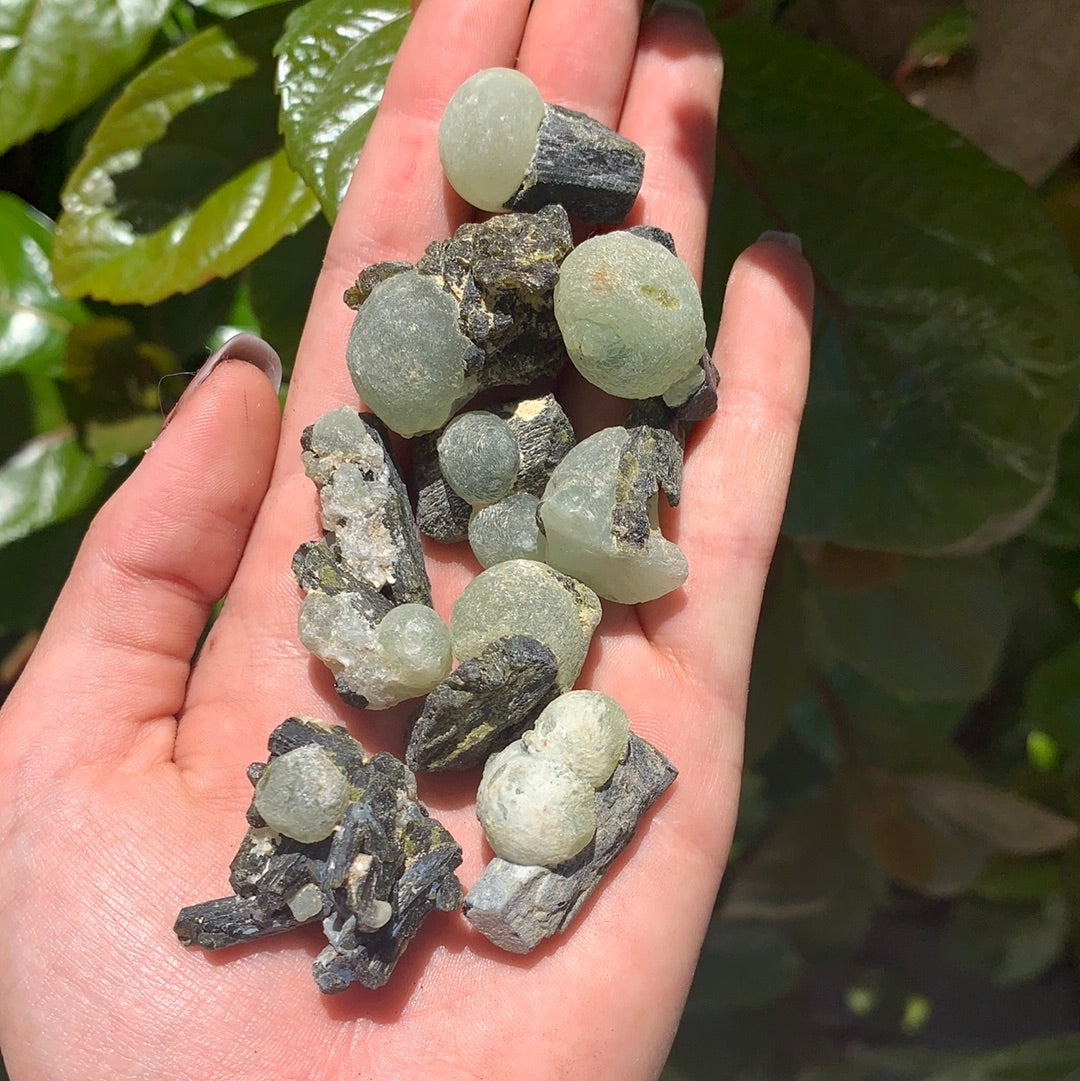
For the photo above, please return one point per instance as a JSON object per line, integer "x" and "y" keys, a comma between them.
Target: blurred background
{"x": 903, "y": 902}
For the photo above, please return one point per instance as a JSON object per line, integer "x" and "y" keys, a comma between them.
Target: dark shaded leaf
{"x": 940, "y": 38}
{"x": 182, "y": 181}
{"x": 745, "y": 964}
{"x": 1001, "y": 818}
{"x": 1052, "y": 699}
{"x": 332, "y": 64}
{"x": 935, "y": 857}
{"x": 280, "y": 285}
{"x": 933, "y": 633}
{"x": 51, "y": 478}
{"x": 945, "y": 365}
{"x": 1054, "y": 1058}
{"x": 1010, "y": 943}
{"x": 57, "y": 56}
{"x": 34, "y": 318}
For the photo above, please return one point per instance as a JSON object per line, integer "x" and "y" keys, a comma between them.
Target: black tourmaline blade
{"x": 386, "y": 865}
{"x": 483, "y": 704}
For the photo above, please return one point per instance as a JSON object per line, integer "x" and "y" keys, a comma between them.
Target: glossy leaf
{"x": 50, "y": 479}
{"x": 57, "y": 56}
{"x": 945, "y": 364}
{"x": 934, "y": 633}
{"x": 332, "y": 64}
{"x": 183, "y": 179}
{"x": 746, "y": 965}
{"x": 1008, "y": 822}
{"x": 34, "y": 318}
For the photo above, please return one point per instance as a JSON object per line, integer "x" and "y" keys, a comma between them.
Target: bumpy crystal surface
{"x": 521, "y": 596}
{"x": 577, "y": 511}
{"x": 534, "y": 809}
{"x": 415, "y": 644}
{"x": 302, "y": 794}
{"x": 407, "y": 355}
{"x": 585, "y": 729}
{"x": 479, "y": 457}
{"x": 381, "y": 666}
{"x": 487, "y": 135}
{"x": 506, "y": 530}
{"x": 630, "y": 315}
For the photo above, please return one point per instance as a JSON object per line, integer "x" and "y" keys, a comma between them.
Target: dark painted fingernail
{"x": 789, "y": 240}
{"x": 681, "y": 7}
{"x": 246, "y": 347}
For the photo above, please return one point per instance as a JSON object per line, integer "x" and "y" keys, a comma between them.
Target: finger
{"x": 580, "y": 55}
{"x": 156, "y": 557}
{"x": 670, "y": 111}
{"x": 738, "y": 466}
{"x": 396, "y": 204}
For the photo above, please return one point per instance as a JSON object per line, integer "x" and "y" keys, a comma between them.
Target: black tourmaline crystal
{"x": 384, "y": 867}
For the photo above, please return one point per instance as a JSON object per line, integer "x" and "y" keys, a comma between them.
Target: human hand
{"x": 122, "y": 766}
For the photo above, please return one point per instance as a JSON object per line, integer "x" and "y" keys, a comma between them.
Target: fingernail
{"x": 789, "y": 240}
{"x": 681, "y": 7}
{"x": 246, "y": 347}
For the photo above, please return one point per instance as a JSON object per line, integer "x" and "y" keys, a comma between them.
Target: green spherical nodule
{"x": 487, "y": 136}
{"x": 630, "y": 315}
{"x": 479, "y": 457}
{"x": 415, "y": 645}
{"x": 302, "y": 794}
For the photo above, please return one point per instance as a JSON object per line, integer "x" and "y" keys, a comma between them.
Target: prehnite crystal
{"x": 407, "y": 355}
{"x": 521, "y": 596}
{"x": 534, "y": 808}
{"x": 506, "y": 530}
{"x": 586, "y": 729}
{"x": 302, "y": 794}
{"x": 599, "y": 514}
{"x": 630, "y": 316}
{"x": 479, "y": 457}
{"x": 487, "y": 136}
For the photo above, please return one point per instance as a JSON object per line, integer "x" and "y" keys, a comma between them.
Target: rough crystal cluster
{"x": 367, "y": 614}
{"x": 503, "y": 148}
{"x": 338, "y": 836}
{"x": 475, "y": 312}
{"x": 335, "y": 836}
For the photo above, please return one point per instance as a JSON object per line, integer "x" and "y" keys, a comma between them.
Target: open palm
{"x": 122, "y": 764}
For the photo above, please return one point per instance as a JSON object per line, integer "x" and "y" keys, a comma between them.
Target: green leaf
{"x": 1010, "y": 943}
{"x": 945, "y": 364}
{"x": 933, "y": 633}
{"x": 745, "y": 964}
{"x": 1053, "y": 1058}
{"x": 332, "y": 65}
{"x": 183, "y": 180}
{"x": 1058, "y": 526}
{"x": 34, "y": 318}
{"x": 1008, "y": 822}
{"x": 281, "y": 283}
{"x": 1052, "y": 698}
{"x": 57, "y": 56}
{"x": 940, "y": 38}
{"x": 50, "y": 479}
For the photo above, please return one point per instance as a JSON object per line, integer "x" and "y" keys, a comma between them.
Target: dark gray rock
{"x": 517, "y": 907}
{"x": 483, "y": 704}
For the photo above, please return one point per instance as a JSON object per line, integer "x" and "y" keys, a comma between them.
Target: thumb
{"x": 111, "y": 668}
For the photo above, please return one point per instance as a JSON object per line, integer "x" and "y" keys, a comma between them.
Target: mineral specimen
{"x": 503, "y": 148}
{"x": 302, "y": 794}
{"x": 599, "y": 514}
{"x": 476, "y": 312}
{"x": 479, "y": 457}
{"x": 482, "y": 705}
{"x": 543, "y": 435}
{"x": 372, "y": 879}
{"x": 521, "y": 596}
{"x": 586, "y": 729}
{"x": 535, "y": 809}
{"x": 366, "y": 515}
{"x": 630, "y": 316}
{"x": 535, "y": 801}
{"x": 517, "y": 906}
{"x": 506, "y": 530}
